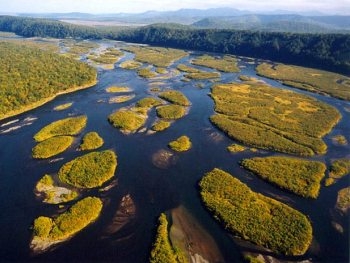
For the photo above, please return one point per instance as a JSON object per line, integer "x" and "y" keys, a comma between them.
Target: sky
{"x": 138, "y": 6}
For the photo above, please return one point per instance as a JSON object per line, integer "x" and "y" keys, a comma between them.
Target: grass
{"x": 181, "y": 144}
{"x": 302, "y": 177}
{"x": 171, "y": 112}
{"x": 91, "y": 141}
{"x": 51, "y": 147}
{"x": 225, "y": 64}
{"x": 338, "y": 169}
{"x": 313, "y": 80}
{"x": 149, "y": 102}
{"x": 130, "y": 64}
{"x": 126, "y": 120}
{"x": 161, "y": 125}
{"x": 68, "y": 126}
{"x": 69, "y": 223}
{"x": 275, "y": 119}
{"x": 235, "y": 148}
{"x": 255, "y": 217}
{"x": 175, "y": 97}
{"x": 117, "y": 89}
{"x": 90, "y": 170}
{"x": 63, "y": 106}
{"x": 146, "y": 73}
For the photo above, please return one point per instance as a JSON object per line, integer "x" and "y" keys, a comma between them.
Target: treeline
{"x": 325, "y": 51}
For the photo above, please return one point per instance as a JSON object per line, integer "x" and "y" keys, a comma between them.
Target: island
{"x": 52, "y": 146}
{"x": 181, "y": 144}
{"x": 91, "y": 141}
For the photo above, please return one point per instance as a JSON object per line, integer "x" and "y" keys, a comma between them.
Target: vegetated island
{"x": 225, "y": 64}
{"x": 130, "y": 64}
{"x": 117, "y": 89}
{"x": 91, "y": 141}
{"x": 302, "y": 177}
{"x": 39, "y": 76}
{"x": 255, "y": 217}
{"x": 51, "y": 147}
{"x": 271, "y": 118}
{"x": 127, "y": 121}
{"x": 194, "y": 73}
{"x": 175, "y": 97}
{"x": 90, "y": 170}
{"x": 313, "y": 80}
{"x": 63, "y": 106}
{"x": 181, "y": 144}
{"x": 235, "y": 148}
{"x": 343, "y": 200}
{"x": 48, "y": 232}
{"x": 338, "y": 169}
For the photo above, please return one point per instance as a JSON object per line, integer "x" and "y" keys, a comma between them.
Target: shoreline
{"x": 46, "y": 100}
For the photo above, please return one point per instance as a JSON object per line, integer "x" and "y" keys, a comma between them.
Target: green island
{"x": 340, "y": 139}
{"x": 171, "y": 112}
{"x": 225, "y": 64}
{"x": 121, "y": 98}
{"x": 157, "y": 56}
{"x": 48, "y": 232}
{"x": 175, "y": 97}
{"x": 51, "y": 147}
{"x": 271, "y": 118}
{"x": 130, "y": 64}
{"x": 90, "y": 170}
{"x": 161, "y": 70}
{"x": 91, "y": 141}
{"x": 54, "y": 194}
{"x": 302, "y": 177}
{"x": 127, "y": 121}
{"x": 149, "y": 102}
{"x": 194, "y": 73}
{"x": 235, "y": 148}
{"x": 67, "y": 126}
{"x": 313, "y": 80}
{"x": 181, "y": 144}
{"x": 343, "y": 200}
{"x": 38, "y": 75}
{"x": 63, "y": 106}
{"x": 117, "y": 89}
{"x": 255, "y": 217}
{"x": 187, "y": 69}
{"x": 161, "y": 125}
{"x": 110, "y": 56}
{"x": 146, "y": 73}
{"x": 338, "y": 169}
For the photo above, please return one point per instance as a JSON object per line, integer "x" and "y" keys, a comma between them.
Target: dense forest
{"x": 325, "y": 51}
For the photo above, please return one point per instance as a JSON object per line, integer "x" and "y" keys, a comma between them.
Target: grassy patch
{"x": 340, "y": 139}
{"x": 176, "y": 97}
{"x": 121, "y": 99}
{"x": 130, "y": 64}
{"x": 343, "y": 200}
{"x": 203, "y": 75}
{"x": 235, "y": 148}
{"x": 126, "y": 120}
{"x": 149, "y": 102}
{"x": 184, "y": 68}
{"x": 338, "y": 169}
{"x": 225, "y": 64}
{"x": 161, "y": 70}
{"x": 117, "y": 89}
{"x": 91, "y": 141}
{"x": 171, "y": 112}
{"x": 255, "y": 217}
{"x": 161, "y": 125}
{"x": 313, "y": 80}
{"x": 146, "y": 73}
{"x": 51, "y": 147}
{"x": 63, "y": 106}
{"x": 90, "y": 170}
{"x": 299, "y": 176}
{"x": 271, "y": 118}
{"x": 181, "y": 144}
{"x": 68, "y": 126}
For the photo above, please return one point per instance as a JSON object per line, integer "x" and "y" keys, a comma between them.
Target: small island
{"x": 118, "y": 89}
{"x": 171, "y": 112}
{"x": 338, "y": 169}
{"x": 175, "y": 97}
{"x": 63, "y": 106}
{"x": 161, "y": 125}
{"x": 51, "y": 147}
{"x": 181, "y": 144}
{"x": 225, "y": 64}
{"x": 91, "y": 141}
{"x": 127, "y": 121}
{"x": 236, "y": 148}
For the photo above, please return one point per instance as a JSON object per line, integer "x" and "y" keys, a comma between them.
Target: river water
{"x": 153, "y": 189}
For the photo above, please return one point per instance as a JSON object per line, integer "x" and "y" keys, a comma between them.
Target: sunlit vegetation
{"x": 91, "y": 141}
{"x": 225, "y": 64}
{"x": 161, "y": 70}
{"x": 121, "y": 99}
{"x": 146, "y": 73}
{"x": 157, "y": 56}
{"x": 68, "y": 126}
{"x": 171, "y": 112}
{"x": 181, "y": 144}
{"x": 37, "y": 76}
{"x": 161, "y": 125}
{"x": 117, "y": 89}
{"x": 343, "y": 200}
{"x": 79, "y": 47}
{"x": 127, "y": 120}
{"x": 313, "y": 80}
{"x": 110, "y": 56}
{"x": 63, "y": 106}
{"x": 175, "y": 97}
{"x": 52, "y": 146}
{"x": 90, "y": 170}
{"x": 253, "y": 216}
{"x": 235, "y": 148}
{"x": 185, "y": 68}
{"x": 246, "y": 78}
{"x": 270, "y": 118}
{"x": 203, "y": 75}
{"x": 340, "y": 139}
{"x": 54, "y": 194}
{"x": 162, "y": 251}
{"x": 338, "y": 169}
{"x": 80, "y": 215}
{"x": 302, "y": 177}
{"x": 130, "y": 64}
{"x": 149, "y": 102}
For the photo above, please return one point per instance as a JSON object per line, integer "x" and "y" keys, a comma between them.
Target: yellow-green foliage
{"x": 171, "y": 112}
{"x": 162, "y": 251}
{"x": 91, "y": 141}
{"x": 36, "y": 76}
{"x": 161, "y": 125}
{"x": 343, "y": 200}
{"x": 116, "y": 89}
{"x": 203, "y": 75}
{"x": 181, "y": 144}
{"x": 127, "y": 120}
{"x": 46, "y": 180}
{"x": 255, "y": 217}
{"x": 111, "y": 56}
{"x": 121, "y": 99}
{"x": 130, "y": 64}
{"x": 161, "y": 70}
{"x": 72, "y": 221}
{"x": 302, "y": 177}
{"x": 52, "y": 146}
{"x": 313, "y": 80}
{"x": 68, "y": 126}
{"x": 176, "y": 97}
{"x": 146, "y": 73}
{"x": 159, "y": 57}
{"x": 271, "y": 118}
{"x": 225, "y": 64}
{"x": 235, "y": 148}
{"x": 340, "y": 139}
{"x": 338, "y": 169}
{"x": 63, "y": 106}
{"x": 184, "y": 68}
{"x": 148, "y": 102}
{"x": 90, "y": 170}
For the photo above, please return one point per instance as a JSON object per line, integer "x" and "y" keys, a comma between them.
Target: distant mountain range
{"x": 218, "y": 18}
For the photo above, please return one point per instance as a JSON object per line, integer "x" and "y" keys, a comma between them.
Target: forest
{"x": 325, "y": 51}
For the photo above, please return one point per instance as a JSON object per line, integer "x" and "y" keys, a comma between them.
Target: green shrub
{"x": 181, "y": 144}
{"x": 175, "y": 97}
{"x": 91, "y": 141}
{"x": 51, "y": 147}
{"x": 171, "y": 112}
{"x": 127, "y": 120}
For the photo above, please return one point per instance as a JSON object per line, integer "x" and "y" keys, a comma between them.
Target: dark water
{"x": 153, "y": 190}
